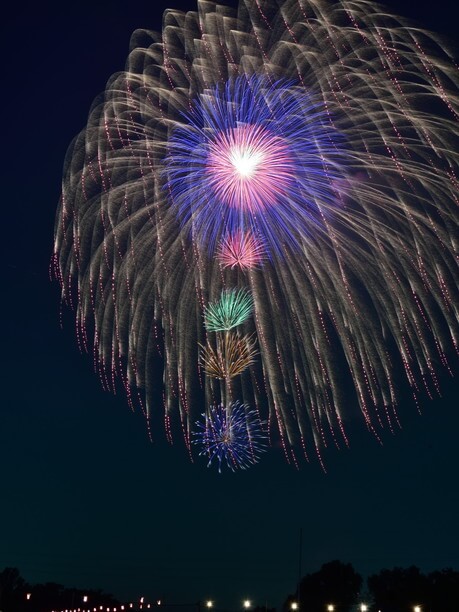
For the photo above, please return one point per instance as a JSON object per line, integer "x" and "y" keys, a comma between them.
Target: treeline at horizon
{"x": 336, "y": 587}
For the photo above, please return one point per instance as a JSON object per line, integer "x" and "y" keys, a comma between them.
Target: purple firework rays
{"x": 254, "y": 155}
{"x": 231, "y": 436}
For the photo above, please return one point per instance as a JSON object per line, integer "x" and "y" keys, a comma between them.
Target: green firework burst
{"x": 233, "y": 308}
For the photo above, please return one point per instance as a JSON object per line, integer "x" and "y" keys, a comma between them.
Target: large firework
{"x": 267, "y": 198}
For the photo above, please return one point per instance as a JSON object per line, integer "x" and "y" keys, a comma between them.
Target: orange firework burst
{"x": 231, "y": 357}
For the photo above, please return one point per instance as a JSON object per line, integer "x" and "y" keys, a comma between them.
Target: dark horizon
{"x": 335, "y": 586}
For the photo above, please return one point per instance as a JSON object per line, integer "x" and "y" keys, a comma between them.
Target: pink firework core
{"x": 242, "y": 250}
{"x": 249, "y": 168}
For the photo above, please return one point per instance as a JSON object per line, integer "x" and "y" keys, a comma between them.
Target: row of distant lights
{"x": 363, "y": 608}
{"x": 209, "y": 604}
{"x": 102, "y": 608}
{"x": 122, "y": 607}
{"x": 245, "y": 604}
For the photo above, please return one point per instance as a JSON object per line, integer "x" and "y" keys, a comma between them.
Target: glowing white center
{"x": 249, "y": 168}
{"x": 245, "y": 161}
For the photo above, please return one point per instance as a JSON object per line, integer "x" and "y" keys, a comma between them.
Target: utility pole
{"x": 300, "y": 559}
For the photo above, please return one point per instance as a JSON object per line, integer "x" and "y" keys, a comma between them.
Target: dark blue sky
{"x": 86, "y": 499}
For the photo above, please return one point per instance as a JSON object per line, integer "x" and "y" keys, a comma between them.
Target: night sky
{"x": 86, "y": 499}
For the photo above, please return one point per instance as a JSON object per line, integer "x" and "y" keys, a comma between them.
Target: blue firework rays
{"x": 231, "y": 436}
{"x": 254, "y": 155}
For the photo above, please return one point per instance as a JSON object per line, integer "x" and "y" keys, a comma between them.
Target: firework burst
{"x": 305, "y": 154}
{"x": 232, "y": 356}
{"x": 241, "y": 250}
{"x": 254, "y": 155}
{"x": 231, "y": 436}
{"x": 231, "y": 310}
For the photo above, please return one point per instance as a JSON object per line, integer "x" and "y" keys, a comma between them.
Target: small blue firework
{"x": 231, "y": 434}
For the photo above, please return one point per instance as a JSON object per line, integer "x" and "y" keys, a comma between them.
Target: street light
{"x": 417, "y": 608}
{"x": 247, "y": 603}
{"x": 209, "y": 603}
{"x": 330, "y": 607}
{"x": 363, "y": 608}
{"x": 294, "y": 605}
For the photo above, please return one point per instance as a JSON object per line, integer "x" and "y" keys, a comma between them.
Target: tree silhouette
{"x": 12, "y": 590}
{"x": 335, "y": 583}
{"x": 444, "y": 591}
{"x": 45, "y": 597}
{"x": 52, "y": 596}
{"x": 399, "y": 589}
